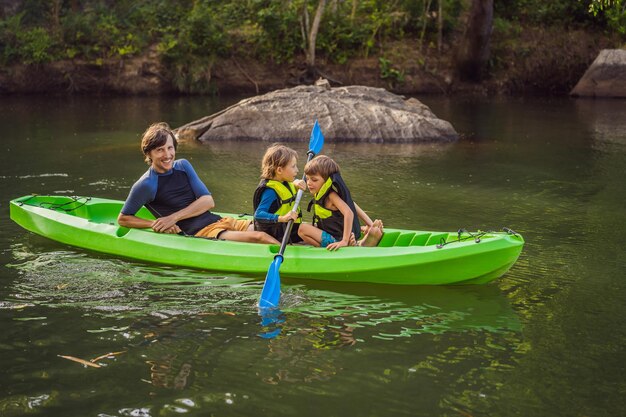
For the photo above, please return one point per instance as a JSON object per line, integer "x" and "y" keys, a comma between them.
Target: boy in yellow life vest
{"x": 335, "y": 215}
{"x": 275, "y": 195}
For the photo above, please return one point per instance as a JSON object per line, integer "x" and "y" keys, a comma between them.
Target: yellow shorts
{"x": 225, "y": 223}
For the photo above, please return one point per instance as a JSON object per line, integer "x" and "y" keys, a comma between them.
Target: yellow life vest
{"x": 331, "y": 221}
{"x": 283, "y": 204}
{"x": 287, "y": 195}
{"x": 319, "y": 211}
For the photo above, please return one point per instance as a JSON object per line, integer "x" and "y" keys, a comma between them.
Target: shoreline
{"x": 552, "y": 70}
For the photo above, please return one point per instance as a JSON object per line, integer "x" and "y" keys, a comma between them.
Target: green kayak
{"x": 405, "y": 257}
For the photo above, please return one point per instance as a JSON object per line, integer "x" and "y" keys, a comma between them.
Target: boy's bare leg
{"x": 310, "y": 234}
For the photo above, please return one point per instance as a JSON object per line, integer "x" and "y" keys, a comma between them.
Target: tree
{"x": 473, "y": 50}
{"x": 310, "y": 34}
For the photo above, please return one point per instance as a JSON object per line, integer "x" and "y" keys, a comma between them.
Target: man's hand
{"x": 173, "y": 230}
{"x": 165, "y": 225}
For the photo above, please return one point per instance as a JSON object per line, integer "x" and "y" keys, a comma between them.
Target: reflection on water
{"x": 79, "y": 280}
{"x": 602, "y": 125}
{"x": 401, "y": 312}
{"x": 67, "y": 278}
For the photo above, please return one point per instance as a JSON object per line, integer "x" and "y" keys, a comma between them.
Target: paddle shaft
{"x": 287, "y": 234}
{"x": 270, "y": 295}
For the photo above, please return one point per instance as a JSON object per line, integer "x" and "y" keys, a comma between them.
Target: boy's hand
{"x": 300, "y": 184}
{"x": 337, "y": 245}
{"x": 292, "y": 215}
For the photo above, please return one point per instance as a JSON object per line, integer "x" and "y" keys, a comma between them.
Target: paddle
{"x": 270, "y": 295}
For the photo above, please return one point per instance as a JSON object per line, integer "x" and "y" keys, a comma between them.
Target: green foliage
{"x": 191, "y": 35}
{"x": 190, "y": 52}
{"x": 26, "y": 45}
{"x": 596, "y": 6}
{"x": 614, "y": 11}
{"x": 9, "y": 49}
{"x": 504, "y": 39}
{"x": 35, "y": 46}
{"x": 35, "y": 12}
{"x": 389, "y": 73}
{"x": 341, "y": 38}
{"x": 280, "y": 37}
{"x": 565, "y": 13}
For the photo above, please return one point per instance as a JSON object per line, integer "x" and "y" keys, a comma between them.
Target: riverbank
{"x": 517, "y": 66}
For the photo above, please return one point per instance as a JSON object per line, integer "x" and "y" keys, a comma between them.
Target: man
{"x": 172, "y": 191}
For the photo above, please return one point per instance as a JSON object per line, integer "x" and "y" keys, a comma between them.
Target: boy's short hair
{"x": 276, "y": 156}
{"x": 155, "y": 136}
{"x": 321, "y": 165}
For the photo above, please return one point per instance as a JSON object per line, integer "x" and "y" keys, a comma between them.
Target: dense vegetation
{"x": 191, "y": 35}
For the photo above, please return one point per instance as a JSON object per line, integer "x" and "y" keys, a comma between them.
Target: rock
{"x": 606, "y": 77}
{"x": 323, "y": 83}
{"x": 345, "y": 114}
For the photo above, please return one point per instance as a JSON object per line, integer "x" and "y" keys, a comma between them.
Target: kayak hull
{"x": 403, "y": 257}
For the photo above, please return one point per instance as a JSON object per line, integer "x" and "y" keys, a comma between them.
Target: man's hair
{"x": 155, "y": 136}
{"x": 321, "y": 165}
{"x": 275, "y": 157}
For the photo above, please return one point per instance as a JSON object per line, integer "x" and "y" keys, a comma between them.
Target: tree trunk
{"x": 426, "y": 16}
{"x": 55, "y": 12}
{"x": 473, "y": 50}
{"x": 310, "y": 53}
{"x": 439, "y": 26}
{"x": 309, "y": 35}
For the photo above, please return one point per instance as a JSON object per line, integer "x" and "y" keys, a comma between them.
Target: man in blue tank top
{"x": 172, "y": 191}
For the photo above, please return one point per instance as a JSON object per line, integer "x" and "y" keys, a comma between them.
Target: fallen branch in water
{"x": 93, "y": 361}
{"x": 84, "y": 362}
{"x": 107, "y": 355}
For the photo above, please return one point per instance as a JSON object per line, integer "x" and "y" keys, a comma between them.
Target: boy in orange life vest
{"x": 276, "y": 193}
{"x": 335, "y": 215}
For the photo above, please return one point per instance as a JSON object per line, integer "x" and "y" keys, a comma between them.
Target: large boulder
{"x": 354, "y": 114}
{"x": 606, "y": 77}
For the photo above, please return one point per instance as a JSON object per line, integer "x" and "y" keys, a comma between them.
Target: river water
{"x": 546, "y": 339}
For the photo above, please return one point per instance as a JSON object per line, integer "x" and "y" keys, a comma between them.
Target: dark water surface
{"x": 546, "y": 339}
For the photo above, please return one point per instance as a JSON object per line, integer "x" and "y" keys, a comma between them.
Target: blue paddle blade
{"x": 317, "y": 139}
{"x": 270, "y": 335}
{"x": 270, "y": 295}
{"x": 270, "y": 320}
{"x": 271, "y": 316}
